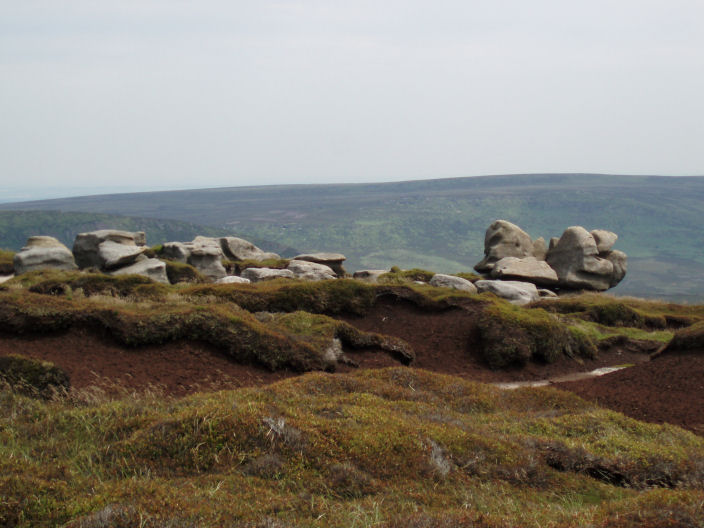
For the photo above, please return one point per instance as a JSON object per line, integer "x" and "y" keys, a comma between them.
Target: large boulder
{"x": 239, "y": 249}
{"x": 620, "y": 263}
{"x": 303, "y": 269}
{"x": 153, "y": 268}
{"x": 206, "y": 256}
{"x": 527, "y": 269}
{"x": 262, "y": 274}
{"x": 113, "y": 255}
{"x": 86, "y": 247}
{"x": 332, "y": 260}
{"x": 575, "y": 258}
{"x": 43, "y": 252}
{"x": 515, "y": 292}
{"x": 504, "y": 239}
{"x": 177, "y": 251}
{"x": 605, "y": 240}
{"x": 450, "y": 281}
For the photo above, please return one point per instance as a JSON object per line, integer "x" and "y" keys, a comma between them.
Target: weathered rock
{"x": 232, "y": 279}
{"x": 605, "y": 240}
{"x": 525, "y": 269}
{"x": 540, "y": 249}
{"x": 368, "y": 275}
{"x": 546, "y": 294}
{"x": 515, "y": 292}
{"x": 332, "y": 260}
{"x": 113, "y": 255}
{"x": 43, "y": 252}
{"x": 504, "y": 239}
{"x": 303, "y": 269}
{"x": 239, "y": 249}
{"x": 620, "y": 263}
{"x": 262, "y": 274}
{"x": 206, "y": 256}
{"x": 450, "y": 281}
{"x": 177, "y": 251}
{"x": 553, "y": 243}
{"x": 85, "y": 246}
{"x": 576, "y": 260}
{"x": 153, "y": 268}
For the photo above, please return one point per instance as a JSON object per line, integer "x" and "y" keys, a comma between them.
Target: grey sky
{"x": 174, "y": 94}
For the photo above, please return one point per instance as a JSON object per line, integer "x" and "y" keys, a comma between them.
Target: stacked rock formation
{"x": 578, "y": 260}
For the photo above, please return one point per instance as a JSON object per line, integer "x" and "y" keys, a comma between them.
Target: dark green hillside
{"x": 439, "y": 224}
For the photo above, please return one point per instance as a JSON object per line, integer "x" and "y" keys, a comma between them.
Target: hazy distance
{"x": 151, "y": 95}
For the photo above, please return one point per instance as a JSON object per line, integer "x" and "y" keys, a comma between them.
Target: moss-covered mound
{"x": 180, "y": 272}
{"x": 32, "y": 377}
{"x": 688, "y": 340}
{"x": 7, "y": 266}
{"x": 393, "y": 447}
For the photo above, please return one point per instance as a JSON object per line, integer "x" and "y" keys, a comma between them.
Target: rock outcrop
{"x": 238, "y": 249}
{"x": 579, "y": 264}
{"x": 43, "y": 252}
{"x": 332, "y": 260}
{"x": 87, "y": 247}
{"x": 205, "y": 254}
{"x": 450, "y": 281}
{"x": 525, "y": 269}
{"x": 313, "y": 271}
{"x": 153, "y": 268}
{"x": 515, "y": 292}
{"x": 504, "y": 239}
{"x": 262, "y": 274}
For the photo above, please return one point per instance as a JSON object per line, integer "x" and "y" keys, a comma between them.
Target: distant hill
{"x": 440, "y": 224}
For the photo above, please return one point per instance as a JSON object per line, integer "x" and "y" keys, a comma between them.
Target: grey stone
{"x": 525, "y": 269}
{"x": 303, "y": 269}
{"x": 605, "y": 240}
{"x": 206, "y": 256}
{"x": 262, "y": 274}
{"x": 153, "y": 268}
{"x": 85, "y": 246}
{"x": 515, "y": 292}
{"x": 332, "y": 260}
{"x": 368, "y": 275}
{"x": 43, "y": 252}
{"x": 504, "y": 239}
{"x": 546, "y": 294}
{"x": 232, "y": 279}
{"x": 553, "y": 243}
{"x": 576, "y": 260}
{"x": 620, "y": 263}
{"x": 540, "y": 249}
{"x": 450, "y": 281}
{"x": 240, "y": 249}
{"x": 113, "y": 255}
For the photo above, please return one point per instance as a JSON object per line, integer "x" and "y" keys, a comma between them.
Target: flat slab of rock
{"x": 153, "y": 268}
{"x": 575, "y": 258}
{"x": 369, "y": 275}
{"x": 504, "y": 239}
{"x": 43, "y": 252}
{"x": 515, "y": 292}
{"x": 233, "y": 279}
{"x": 332, "y": 260}
{"x": 85, "y": 246}
{"x": 450, "y": 281}
{"x": 262, "y": 274}
{"x": 527, "y": 269}
{"x": 240, "y": 249}
{"x": 113, "y": 255}
{"x": 313, "y": 271}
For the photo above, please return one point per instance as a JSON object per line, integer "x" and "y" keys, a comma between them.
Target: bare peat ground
{"x": 668, "y": 389}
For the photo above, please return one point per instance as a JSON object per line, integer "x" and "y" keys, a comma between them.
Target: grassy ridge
{"x": 383, "y": 448}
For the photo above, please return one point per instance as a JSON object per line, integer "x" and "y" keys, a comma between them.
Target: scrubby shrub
{"x": 347, "y": 481}
{"x": 400, "y": 277}
{"x": 59, "y": 283}
{"x": 7, "y": 266}
{"x": 33, "y": 377}
{"x": 181, "y": 272}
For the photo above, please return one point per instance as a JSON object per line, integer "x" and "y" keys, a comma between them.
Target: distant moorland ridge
{"x": 434, "y": 224}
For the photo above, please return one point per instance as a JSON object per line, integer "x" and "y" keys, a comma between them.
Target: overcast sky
{"x": 174, "y": 94}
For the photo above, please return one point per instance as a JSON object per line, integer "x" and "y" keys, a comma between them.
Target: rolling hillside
{"x": 439, "y": 224}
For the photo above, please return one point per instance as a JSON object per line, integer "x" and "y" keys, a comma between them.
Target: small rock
{"x": 240, "y": 249}
{"x": 576, "y": 260}
{"x": 43, "y": 252}
{"x": 177, "y": 251}
{"x": 153, "y": 268}
{"x": 525, "y": 269}
{"x": 86, "y": 245}
{"x": 232, "y": 279}
{"x": 206, "y": 257}
{"x": 450, "y": 281}
{"x": 113, "y": 255}
{"x": 605, "y": 240}
{"x": 368, "y": 275}
{"x": 515, "y": 292}
{"x": 504, "y": 239}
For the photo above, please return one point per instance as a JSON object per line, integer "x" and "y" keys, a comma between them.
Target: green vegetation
{"x": 399, "y": 276}
{"x": 7, "y": 266}
{"x": 32, "y": 377}
{"x": 688, "y": 339}
{"x": 389, "y": 448}
{"x": 181, "y": 272}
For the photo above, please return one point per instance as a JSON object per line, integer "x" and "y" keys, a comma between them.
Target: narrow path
{"x": 575, "y": 376}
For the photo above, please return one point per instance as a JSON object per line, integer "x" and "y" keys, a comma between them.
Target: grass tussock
{"x": 237, "y": 267}
{"x": 178, "y": 272}
{"x": 65, "y": 283}
{"x": 7, "y": 266}
{"x": 33, "y": 377}
{"x": 373, "y": 448}
{"x": 688, "y": 339}
{"x": 399, "y": 277}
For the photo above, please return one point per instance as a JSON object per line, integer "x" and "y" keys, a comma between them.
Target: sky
{"x": 152, "y": 94}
